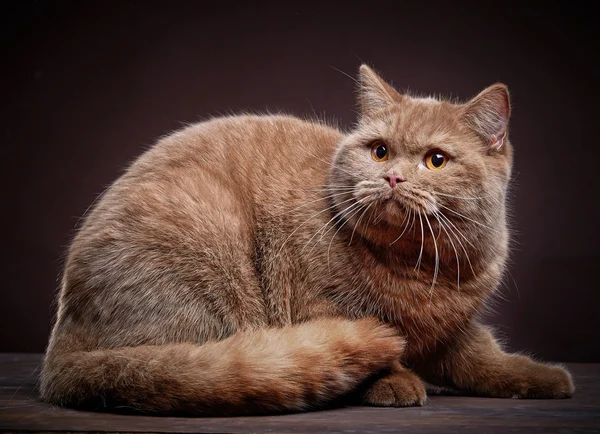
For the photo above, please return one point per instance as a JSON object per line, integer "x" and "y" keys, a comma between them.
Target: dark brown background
{"x": 87, "y": 86}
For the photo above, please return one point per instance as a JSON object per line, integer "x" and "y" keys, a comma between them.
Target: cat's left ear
{"x": 488, "y": 115}
{"x": 374, "y": 93}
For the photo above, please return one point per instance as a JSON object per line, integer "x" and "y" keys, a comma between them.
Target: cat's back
{"x": 226, "y": 161}
{"x": 247, "y": 143}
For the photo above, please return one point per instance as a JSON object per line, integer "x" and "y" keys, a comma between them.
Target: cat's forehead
{"x": 425, "y": 116}
{"x": 418, "y": 122}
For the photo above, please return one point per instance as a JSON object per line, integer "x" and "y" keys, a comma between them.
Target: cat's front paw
{"x": 398, "y": 389}
{"x": 538, "y": 380}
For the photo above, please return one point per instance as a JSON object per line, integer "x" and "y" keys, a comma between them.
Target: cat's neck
{"x": 412, "y": 251}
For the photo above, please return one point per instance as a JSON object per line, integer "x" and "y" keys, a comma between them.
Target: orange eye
{"x": 379, "y": 152}
{"x": 436, "y": 160}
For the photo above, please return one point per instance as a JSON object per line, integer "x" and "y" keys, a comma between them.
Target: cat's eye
{"x": 436, "y": 160}
{"x": 379, "y": 152}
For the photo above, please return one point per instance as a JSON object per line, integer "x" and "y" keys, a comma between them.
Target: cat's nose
{"x": 394, "y": 179}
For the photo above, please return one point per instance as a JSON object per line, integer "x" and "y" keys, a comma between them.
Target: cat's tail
{"x": 268, "y": 370}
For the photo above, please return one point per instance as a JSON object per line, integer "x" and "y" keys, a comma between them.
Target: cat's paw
{"x": 546, "y": 381}
{"x": 399, "y": 389}
{"x": 538, "y": 380}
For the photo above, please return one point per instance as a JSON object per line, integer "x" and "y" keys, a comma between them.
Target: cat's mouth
{"x": 401, "y": 204}
{"x": 408, "y": 199}
{"x": 395, "y": 205}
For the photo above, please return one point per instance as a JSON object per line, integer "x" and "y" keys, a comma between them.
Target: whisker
{"x": 462, "y": 197}
{"x": 368, "y": 221}
{"x": 371, "y": 214}
{"x": 457, "y": 229}
{"x": 358, "y": 222}
{"x": 406, "y": 216}
{"x": 413, "y": 228}
{"x": 458, "y": 240}
{"x": 437, "y": 259}
{"x": 336, "y": 187}
{"x": 340, "y": 213}
{"x": 342, "y": 216}
{"x": 333, "y": 185}
{"x": 468, "y": 218}
{"x": 344, "y": 221}
{"x": 312, "y": 201}
{"x": 304, "y": 222}
{"x": 330, "y": 189}
{"x": 453, "y": 247}
{"x": 378, "y": 218}
{"x": 422, "y": 243}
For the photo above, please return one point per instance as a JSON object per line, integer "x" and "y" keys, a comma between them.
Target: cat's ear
{"x": 488, "y": 115}
{"x": 374, "y": 93}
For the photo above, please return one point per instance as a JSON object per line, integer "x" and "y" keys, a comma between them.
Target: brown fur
{"x": 248, "y": 264}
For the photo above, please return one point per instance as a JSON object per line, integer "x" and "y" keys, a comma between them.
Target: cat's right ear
{"x": 374, "y": 93}
{"x": 488, "y": 114}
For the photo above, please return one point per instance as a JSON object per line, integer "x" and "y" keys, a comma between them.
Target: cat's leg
{"x": 399, "y": 388}
{"x": 476, "y": 364}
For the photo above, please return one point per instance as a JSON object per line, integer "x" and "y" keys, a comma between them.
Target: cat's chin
{"x": 394, "y": 213}
{"x": 391, "y": 217}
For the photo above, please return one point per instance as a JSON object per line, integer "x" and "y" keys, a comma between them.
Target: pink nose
{"x": 394, "y": 179}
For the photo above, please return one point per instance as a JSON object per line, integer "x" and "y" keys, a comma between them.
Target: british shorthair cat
{"x": 262, "y": 264}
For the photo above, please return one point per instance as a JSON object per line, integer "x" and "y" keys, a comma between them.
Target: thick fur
{"x": 253, "y": 371}
{"x": 248, "y": 265}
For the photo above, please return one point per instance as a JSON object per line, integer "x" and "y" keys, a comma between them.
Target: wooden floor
{"x": 19, "y": 411}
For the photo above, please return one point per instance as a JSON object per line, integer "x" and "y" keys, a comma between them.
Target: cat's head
{"x": 434, "y": 165}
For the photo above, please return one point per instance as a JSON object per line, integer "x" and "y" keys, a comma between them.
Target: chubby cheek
{"x": 359, "y": 165}
{"x": 461, "y": 178}
{"x": 463, "y": 190}
{"x": 345, "y": 171}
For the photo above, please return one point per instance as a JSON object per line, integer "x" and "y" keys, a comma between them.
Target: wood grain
{"x": 19, "y": 411}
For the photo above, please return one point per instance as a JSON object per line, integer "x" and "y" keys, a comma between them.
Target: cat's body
{"x": 271, "y": 237}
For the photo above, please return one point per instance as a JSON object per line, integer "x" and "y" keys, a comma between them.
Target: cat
{"x": 266, "y": 264}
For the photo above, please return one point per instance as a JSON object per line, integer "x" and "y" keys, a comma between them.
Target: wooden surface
{"x": 19, "y": 410}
